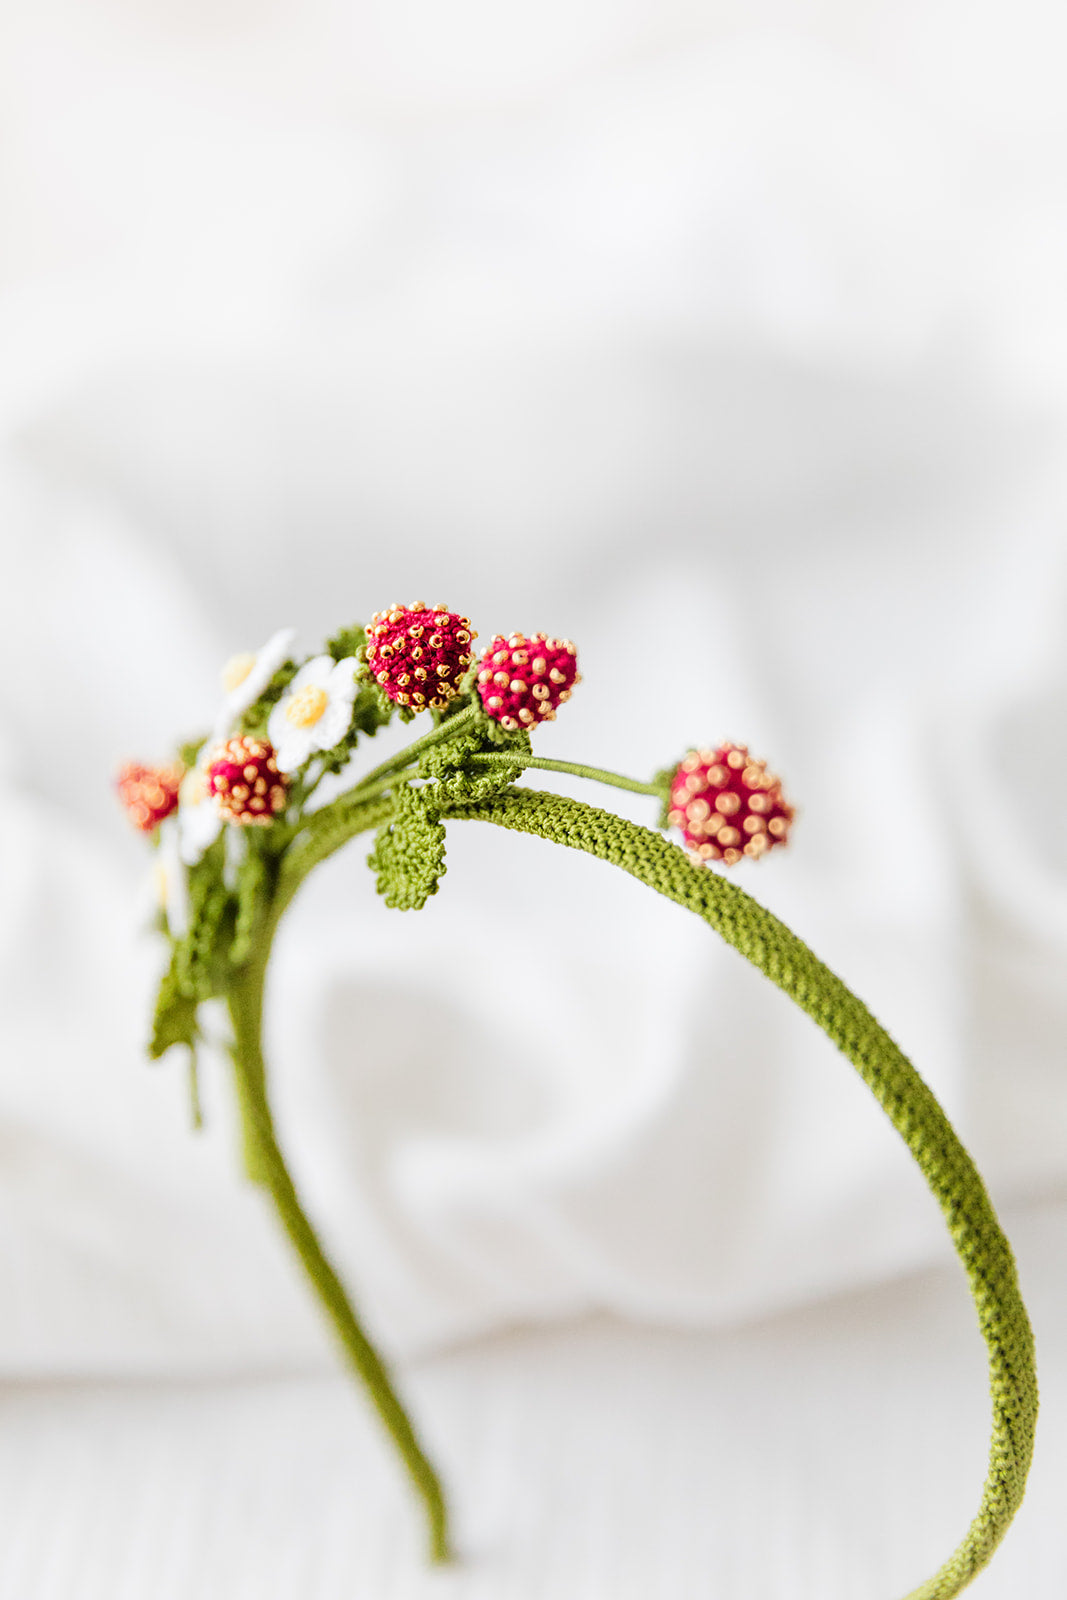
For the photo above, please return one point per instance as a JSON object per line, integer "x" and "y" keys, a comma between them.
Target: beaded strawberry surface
{"x": 522, "y": 682}
{"x": 243, "y": 776}
{"x": 419, "y": 654}
{"x": 728, "y": 805}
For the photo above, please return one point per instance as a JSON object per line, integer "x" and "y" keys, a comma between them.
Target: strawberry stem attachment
{"x": 577, "y": 769}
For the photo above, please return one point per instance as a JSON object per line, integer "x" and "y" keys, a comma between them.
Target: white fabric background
{"x": 737, "y": 351}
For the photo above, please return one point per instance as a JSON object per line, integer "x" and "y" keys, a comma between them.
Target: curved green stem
{"x": 574, "y": 769}
{"x": 787, "y": 962}
{"x": 906, "y": 1099}
{"x": 267, "y": 1165}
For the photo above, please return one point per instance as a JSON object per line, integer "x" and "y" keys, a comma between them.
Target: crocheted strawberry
{"x": 419, "y": 654}
{"x": 243, "y": 776}
{"x": 522, "y": 681}
{"x": 728, "y": 805}
{"x": 149, "y": 793}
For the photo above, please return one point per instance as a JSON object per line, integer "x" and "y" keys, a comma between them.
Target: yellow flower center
{"x": 236, "y": 671}
{"x": 306, "y": 706}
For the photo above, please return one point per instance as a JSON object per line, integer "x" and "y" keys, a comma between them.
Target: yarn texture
{"x": 899, "y": 1090}
{"x": 237, "y": 881}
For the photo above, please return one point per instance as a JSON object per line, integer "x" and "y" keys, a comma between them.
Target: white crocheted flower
{"x": 199, "y": 822}
{"x": 315, "y": 712}
{"x": 245, "y": 677}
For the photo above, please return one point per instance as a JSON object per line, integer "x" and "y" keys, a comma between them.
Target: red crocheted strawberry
{"x": 149, "y": 793}
{"x": 419, "y": 654}
{"x": 522, "y": 681}
{"x": 728, "y": 805}
{"x": 243, "y": 776}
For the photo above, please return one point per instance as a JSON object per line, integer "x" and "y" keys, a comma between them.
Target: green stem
{"x": 906, "y": 1099}
{"x": 576, "y": 770}
{"x": 267, "y": 1165}
{"x": 787, "y": 962}
{"x": 410, "y": 753}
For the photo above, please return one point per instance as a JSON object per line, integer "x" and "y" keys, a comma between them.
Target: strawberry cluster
{"x": 728, "y": 805}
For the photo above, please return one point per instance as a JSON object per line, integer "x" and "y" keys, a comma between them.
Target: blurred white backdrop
{"x": 732, "y": 346}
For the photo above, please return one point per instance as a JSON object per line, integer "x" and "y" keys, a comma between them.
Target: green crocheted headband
{"x": 239, "y": 830}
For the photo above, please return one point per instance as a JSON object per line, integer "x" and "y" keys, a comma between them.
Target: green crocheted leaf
{"x": 460, "y": 781}
{"x": 201, "y": 957}
{"x": 174, "y": 1021}
{"x": 347, "y": 642}
{"x": 409, "y": 852}
{"x": 188, "y": 752}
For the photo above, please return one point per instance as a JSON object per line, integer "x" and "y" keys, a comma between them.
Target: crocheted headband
{"x": 239, "y": 831}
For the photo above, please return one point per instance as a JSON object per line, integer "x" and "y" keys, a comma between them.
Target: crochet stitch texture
{"x": 465, "y": 769}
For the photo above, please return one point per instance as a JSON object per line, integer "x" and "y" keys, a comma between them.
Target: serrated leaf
{"x": 409, "y": 852}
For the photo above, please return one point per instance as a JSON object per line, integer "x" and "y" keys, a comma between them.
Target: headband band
{"x": 233, "y": 816}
